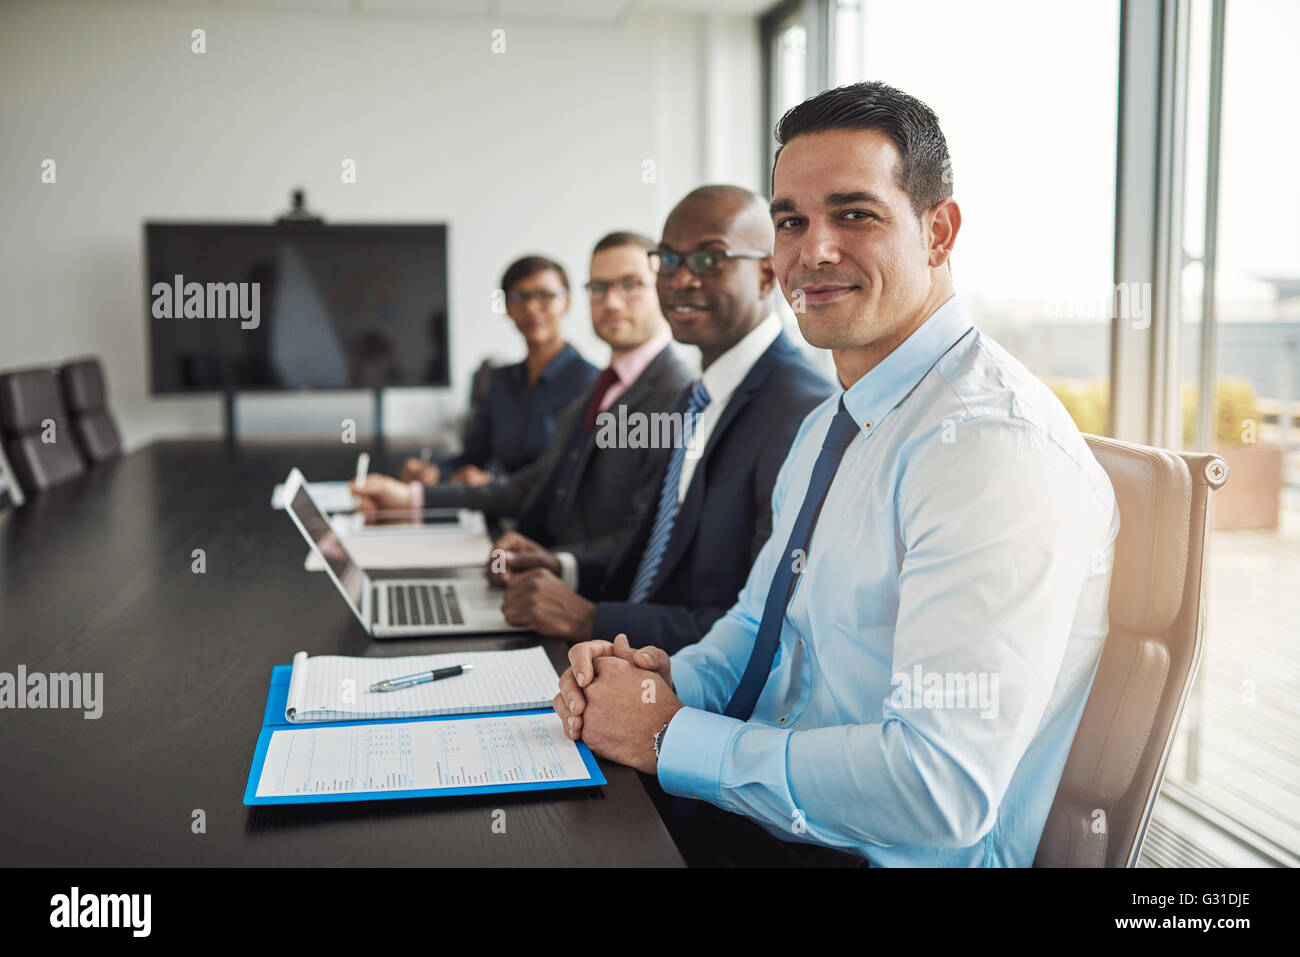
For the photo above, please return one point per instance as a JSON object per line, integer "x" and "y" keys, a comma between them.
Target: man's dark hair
{"x": 925, "y": 173}
{"x": 624, "y": 238}
{"x": 529, "y": 266}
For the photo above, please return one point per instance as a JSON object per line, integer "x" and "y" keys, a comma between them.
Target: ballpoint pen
{"x": 422, "y": 677}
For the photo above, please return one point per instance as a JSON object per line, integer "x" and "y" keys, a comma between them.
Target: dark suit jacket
{"x": 614, "y": 485}
{"x": 512, "y": 425}
{"x": 726, "y": 515}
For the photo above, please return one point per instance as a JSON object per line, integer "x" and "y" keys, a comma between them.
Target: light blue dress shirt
{"x": 944, "y": 631}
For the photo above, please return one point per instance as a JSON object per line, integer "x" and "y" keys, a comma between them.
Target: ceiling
{"x": 584, "y": 11}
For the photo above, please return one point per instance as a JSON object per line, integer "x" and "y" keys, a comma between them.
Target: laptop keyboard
{"x": 424, "y": 605}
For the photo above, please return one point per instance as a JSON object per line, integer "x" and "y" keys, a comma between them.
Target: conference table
{"x": 100, "y": 574}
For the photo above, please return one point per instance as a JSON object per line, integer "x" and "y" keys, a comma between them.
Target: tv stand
{"x": 228, "y": 415}
{"x": 379, "y": 418}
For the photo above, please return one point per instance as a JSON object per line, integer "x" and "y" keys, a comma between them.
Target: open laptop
{"x": 448, "y": 602}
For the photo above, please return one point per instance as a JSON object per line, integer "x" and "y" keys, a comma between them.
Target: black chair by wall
{"x": 35, "y": 428}
{"x": 11, "y": 493}
{"x": 87, "y": 401}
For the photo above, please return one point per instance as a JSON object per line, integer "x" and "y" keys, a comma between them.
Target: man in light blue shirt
{"x": 903, "y": 674}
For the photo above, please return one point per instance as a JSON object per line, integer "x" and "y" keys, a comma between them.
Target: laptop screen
{"x": 351, "y": 579}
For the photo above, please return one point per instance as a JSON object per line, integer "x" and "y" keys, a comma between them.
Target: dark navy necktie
{"x": 838, "y": 437}
{"x": 666, "y": 515}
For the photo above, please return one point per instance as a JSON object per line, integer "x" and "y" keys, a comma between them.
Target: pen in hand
{"x": 423, "y": 677}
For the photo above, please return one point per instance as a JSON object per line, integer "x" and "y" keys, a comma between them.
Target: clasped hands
{"x": 535, "y": 596}
{"x": 417, "y": 470}
{"x": 616, "y": 698}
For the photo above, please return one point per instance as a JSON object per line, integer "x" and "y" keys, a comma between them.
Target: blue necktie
{"x": 838, "y": 437}
{"x": 668, "y": 500}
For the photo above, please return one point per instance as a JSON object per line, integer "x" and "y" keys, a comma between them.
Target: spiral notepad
{"x": 337, "y": 688}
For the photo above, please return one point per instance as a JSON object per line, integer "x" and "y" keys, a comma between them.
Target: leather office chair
{"x": 87, "y": 401}
{"x": 482, "y": 381}
{"x": 28, "y": 399}
{"x": 479, "y": 384}
{"x": 11, "y": 493}
{"x": 1157, "y": 615}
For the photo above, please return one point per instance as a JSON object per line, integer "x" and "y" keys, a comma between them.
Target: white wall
{"x": 539, "y": 149}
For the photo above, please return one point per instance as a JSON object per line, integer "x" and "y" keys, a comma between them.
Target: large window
{"x": 1026, "y": 93}
{"x": 1236, "y": 764}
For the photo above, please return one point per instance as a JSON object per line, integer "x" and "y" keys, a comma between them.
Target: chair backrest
{"x": 482, "y": 380}
{"x": 1118, "y": 758}
{"x": 35, "y": 427}
{"x": 11, "y": 493}
{"x": 87, "y": 402}
{"x": 479, "y": 385}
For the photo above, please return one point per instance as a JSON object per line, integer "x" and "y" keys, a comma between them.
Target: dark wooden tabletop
{"x": 96, "y": 576}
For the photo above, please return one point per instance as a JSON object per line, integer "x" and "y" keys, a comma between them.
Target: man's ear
{"x": 766, "y": 277}
{"x": 945, "y": 222}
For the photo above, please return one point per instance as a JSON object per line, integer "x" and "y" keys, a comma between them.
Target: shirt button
{"x": 866, "y": 426}
{"x": 783, "y": 719}
{"x": 800, "y": 642}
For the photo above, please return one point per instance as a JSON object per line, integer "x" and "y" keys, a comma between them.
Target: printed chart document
{"x": 393, "y": 758}
{"x": 421, "y": 755}
{"x": 335, "y": 688}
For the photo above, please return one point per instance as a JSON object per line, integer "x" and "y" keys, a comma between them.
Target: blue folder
{"x": 274, "y": 720}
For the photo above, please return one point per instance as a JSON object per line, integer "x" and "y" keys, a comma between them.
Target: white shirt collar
{"x": 727, "y": 371}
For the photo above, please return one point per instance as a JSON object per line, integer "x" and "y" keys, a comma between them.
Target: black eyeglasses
{"x": 544, "y": 297}
{"x": 598, "y": 289}
{"x": 701, "y": 262}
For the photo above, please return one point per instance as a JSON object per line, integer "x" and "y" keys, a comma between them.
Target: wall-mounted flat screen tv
{"x": 236, "y": 307}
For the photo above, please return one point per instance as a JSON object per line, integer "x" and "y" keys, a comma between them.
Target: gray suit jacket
{"x": 601, "y": 507}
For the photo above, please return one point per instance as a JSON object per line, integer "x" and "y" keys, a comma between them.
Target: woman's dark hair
{"x": 529, "y": 266}
{"x": 925, "y": 173}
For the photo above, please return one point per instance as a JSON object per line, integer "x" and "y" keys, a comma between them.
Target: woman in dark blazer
{"x": 515, "y": 419}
